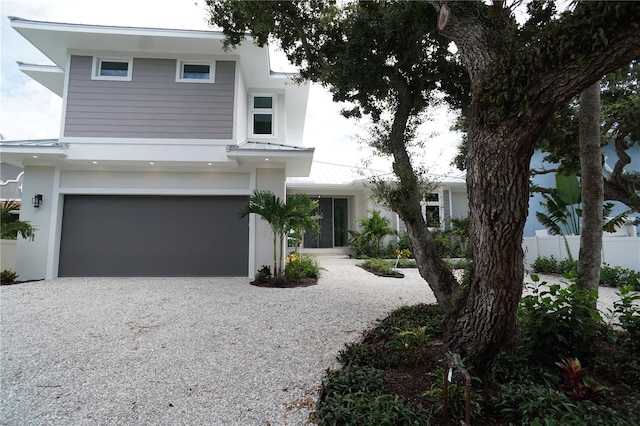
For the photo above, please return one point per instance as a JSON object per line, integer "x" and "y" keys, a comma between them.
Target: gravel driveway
{"x": 214, "y": 351}
{"x": 188, "y": 351}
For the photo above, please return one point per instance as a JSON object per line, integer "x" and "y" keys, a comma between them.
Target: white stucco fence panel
{"x": 616, "y": 251}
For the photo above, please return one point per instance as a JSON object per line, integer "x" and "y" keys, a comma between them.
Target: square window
{"x": 262, "y": 124}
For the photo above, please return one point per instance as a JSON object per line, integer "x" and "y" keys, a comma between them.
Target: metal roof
{"x": 29, "y": 143}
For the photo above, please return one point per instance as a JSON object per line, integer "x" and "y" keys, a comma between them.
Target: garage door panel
{"x": 153, "y": 236}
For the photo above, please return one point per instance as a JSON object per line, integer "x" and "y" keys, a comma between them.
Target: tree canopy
{"x": 395, "y": 56}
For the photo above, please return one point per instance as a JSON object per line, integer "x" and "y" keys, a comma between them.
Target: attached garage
{"x": 122, "y": 235}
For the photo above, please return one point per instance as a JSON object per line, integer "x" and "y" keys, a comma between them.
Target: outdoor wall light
{"x": 37, "y": 200}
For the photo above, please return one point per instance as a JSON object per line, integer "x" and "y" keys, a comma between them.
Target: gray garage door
{"x": 110, "y": 236}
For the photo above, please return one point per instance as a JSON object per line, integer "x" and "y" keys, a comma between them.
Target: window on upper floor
{"x": 111, "y": 69}
{"x": 196, "y": 72}
{"x": 262, "y": 115}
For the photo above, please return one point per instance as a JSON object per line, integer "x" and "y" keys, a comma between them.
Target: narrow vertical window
{"x": 262, "y": 113}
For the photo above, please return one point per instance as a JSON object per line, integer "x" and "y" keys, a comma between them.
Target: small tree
{"x": 296, "y": 213}
{"x": 10, "y": 227}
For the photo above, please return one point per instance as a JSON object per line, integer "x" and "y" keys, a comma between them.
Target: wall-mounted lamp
{"x": 37, "y": 200}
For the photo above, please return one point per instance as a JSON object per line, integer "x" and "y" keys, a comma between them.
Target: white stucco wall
{"x": 266, "y": 180}
{"x": 32, "y": 256}
{"x": 8, "y": 255}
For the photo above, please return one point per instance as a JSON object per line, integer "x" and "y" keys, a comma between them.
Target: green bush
{"x": 559, "y": 322}
{"x": 8, "y": 276}
{"x": 627, "y": 310}
{"x": 301, "y": 266}
{"x": 568, "y": 266}
{"x": 546, "y": 265}
{"x": 403, "y": 242}
{"x": 609, "y": 276}
{"x": 356, "y": 396}
{"x": 263, "y": 274}
{"x": 619, "y": 277}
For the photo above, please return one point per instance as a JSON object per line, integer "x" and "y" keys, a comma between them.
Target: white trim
{"x": 180, "y": 63}
{"x": 55, "y": 228}
{"x": 273, "y": 111}
{"x": 79, "y": 140}
{"x": 65, "y": 96}
{"x": 252, "y": 228}
{"x": 96, "y": 66}
{"x": 153, "y": 191}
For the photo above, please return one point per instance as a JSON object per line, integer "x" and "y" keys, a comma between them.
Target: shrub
{"x": 627, "y": 310}
{"x": 263, "y": 274}
{"x": 568, "y": 266}
{"x": 559, "y": 322}
{"x": 619, "y": 277}
{"x": 301, "y": 266}
{"x": 403, "y": 242}
{"x": 546, "y": 265}
{"x": 8, "y": 276}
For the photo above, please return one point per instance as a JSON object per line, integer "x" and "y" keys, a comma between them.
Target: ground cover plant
{"x": 571, "y": 368}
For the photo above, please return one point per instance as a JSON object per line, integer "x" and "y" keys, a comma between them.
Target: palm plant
{"x": 563, "y": 212}
{"x": 374, "y": 229}
{"x": 296, "y": 213}
{"x": 11, "y": 228}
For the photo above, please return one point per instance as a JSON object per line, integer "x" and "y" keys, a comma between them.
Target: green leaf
{"x": 568, "y": 188}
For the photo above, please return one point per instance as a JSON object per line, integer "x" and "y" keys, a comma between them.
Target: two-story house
{"x": 163, "y": 136}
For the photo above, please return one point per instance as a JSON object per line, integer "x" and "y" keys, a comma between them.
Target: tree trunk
{"x": 590, "y": 256}
{"x": 498, "y": 189}
{"x": 406, "y": 202}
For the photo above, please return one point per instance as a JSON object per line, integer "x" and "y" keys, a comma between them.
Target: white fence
{"x": 616, "y": 251}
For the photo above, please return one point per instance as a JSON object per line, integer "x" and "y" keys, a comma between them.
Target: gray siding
{"x": 151, "y": 105}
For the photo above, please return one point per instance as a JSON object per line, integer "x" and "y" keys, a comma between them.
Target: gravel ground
{"x": 214, "y": 351}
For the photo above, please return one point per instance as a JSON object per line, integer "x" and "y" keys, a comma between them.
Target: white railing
{"x": 616, "y": 251}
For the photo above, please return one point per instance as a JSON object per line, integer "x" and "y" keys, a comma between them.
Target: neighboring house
{"x": 344, "y": 196}
{"x": 533, "y": 226}
{"x": 10, "y": 182}
{"x": 164, "y": 135}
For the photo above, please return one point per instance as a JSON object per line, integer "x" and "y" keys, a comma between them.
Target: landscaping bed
{"x": 569, "y": 369}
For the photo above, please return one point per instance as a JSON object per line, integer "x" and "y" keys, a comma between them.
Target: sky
{"x": 30, "y": 111}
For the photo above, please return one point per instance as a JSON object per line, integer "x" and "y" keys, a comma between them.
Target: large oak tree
{"x": 389, "y": 55}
